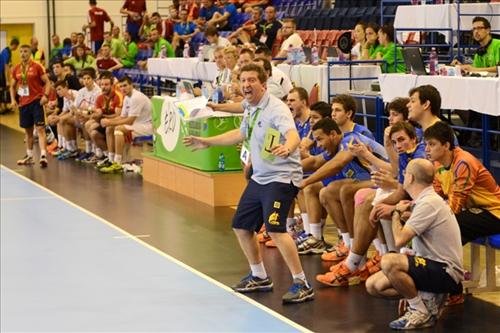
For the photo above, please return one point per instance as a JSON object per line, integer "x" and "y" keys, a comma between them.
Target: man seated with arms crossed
{"x": 69, "y": 97}
{"x": 106, "y": 62}
{"x": 470, "y": 189}
{"x": 107, "y": 105}
{"x": 437, "y": 266}
{"x": 487, "y": 56}
{"x": 134, "y": 120}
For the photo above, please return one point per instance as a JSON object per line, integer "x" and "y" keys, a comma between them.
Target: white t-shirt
{"x": 275, "y": 89}
{"x": 137, "y": 105}
{"x": 223, "y": 77}
{"x": 282, "y": 79}
{"x": 86, "y": 98}
{"x": 356, "y": 50}
{"x": 68, "y": 103}
{"x": 293, "y": 40}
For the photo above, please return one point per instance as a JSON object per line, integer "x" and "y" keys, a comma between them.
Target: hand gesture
{"x": 358, "y": 149}
{"x": 195, "y": 142}
{"x": 403, "y": 205}
{"x": 280, "y": 151}
{"x": 384, "y": 179}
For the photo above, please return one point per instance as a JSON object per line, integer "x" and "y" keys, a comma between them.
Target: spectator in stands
{"x": 276, "y": 185}
{"x": 129, "y": 59}
{"x": 81, "y": 60}
{"x": 31, "y": 84}
{"x": 359, "y": 38}
{"x": 214, "y": 41}
{"x": 223, "y": 73}
{"x": 279, "y": 76}
{"x": 107, "y": 106}
{"x": 227, "y": 19}
{"x": 71, "y": 77}
{"x": 268, "y": 28}
{"x": 231, "y": 59}
{"x": 134, "y": 9}
{"x": 487, "y": 56}
{"x": 67, "y": 49}
{"x": 183, "y": 31}
{"x": 470, "y": 189}
{"x": 37, "y": 54}
{"x": 272, "y": 86}
{"x": 68, "y": 97}
{"x": 57, "y": 47}
{"x": 5, "y": 73}
{"x": 146, "y": 27}
{"x": 117, "y": 45}
{"x": 246, "y": 33}
{"x": 389, "y": 50}
{"x": 207, "y": 11}
{"x": 291, "y": 38}
{"x": 251, "y": 4}
{"x": 134, "y": 120}
{"x": 80, "y": 37}
{"x": 192, "y": 7}
{"x": 106, "y": 62}
{"x": 97, "y": 17}
{"x": 160, "y": 46}
{"x": 437, "y": 266}
{"x": 74, "y": 39}
{"x": 167, "y": 26}
{"x": 371, "y": 46}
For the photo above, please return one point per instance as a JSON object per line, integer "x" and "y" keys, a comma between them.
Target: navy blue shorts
{"x": 267, "y": 204}
{"x": 31, "y": 115}
{"x": 429, "y": 275}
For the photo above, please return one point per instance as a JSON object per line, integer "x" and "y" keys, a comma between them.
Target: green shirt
{"x": 129, "y": 60}
{"x": 80, "y": 64}
{"x": 373, "y": 50}
{"x": 117, "y": 48}
{"x": 388, "y": 55}
{"x": 55, "y": 51}
{"x": 159, "y": 44}
{"x": 491, "y": 58}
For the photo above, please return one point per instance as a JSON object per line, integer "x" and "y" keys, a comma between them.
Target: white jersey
{"x": 67, "y": 102}
{"x": 293, "y": 40}
{"x": 137, "y": 105}
{"x": 281, "y": 79}
{"x": 86, "y": 99}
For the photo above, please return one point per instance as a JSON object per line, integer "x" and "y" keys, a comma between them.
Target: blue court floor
{"x": 65, "y": 270}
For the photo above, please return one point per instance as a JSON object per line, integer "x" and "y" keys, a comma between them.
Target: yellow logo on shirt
{"x": 419, "y": 261}
{"x": 277, "y": 205}
{"x": 274, "y": 218}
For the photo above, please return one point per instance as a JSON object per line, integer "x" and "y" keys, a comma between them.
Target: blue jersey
{"x": 303, "y": 129}
{"x": 5, "y": 58}
{"x": 420, "y": 134}
{"x": 405, "y": 158}
{"x": 184, "y": 28}
{"x": 233, "y": 14}
{"x": 360, "y": 129}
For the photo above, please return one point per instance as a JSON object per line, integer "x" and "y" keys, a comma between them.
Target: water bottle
{"x": 185, "y": 52}
{"x": 204, "y": 91}
{"x": 314, "y": 56}
{"x": 433, "y": 61}
{"x": 215, "y": 96}
{"x": 222, "y": 162}
{"x": 178, "y": 90}
{"x": 290, "y": 55}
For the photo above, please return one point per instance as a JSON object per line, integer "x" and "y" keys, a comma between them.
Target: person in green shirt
{"x": 81, "y": 60}
{"x": 390, "y": 53}
{"x": 371, "y": 46}
{"x": 117, "y": 45}
{"x": 132, "y": 50}
{"x": 159, "y": 43}
{"x": 56, "y": 48}
{"x": 487, "y": 56}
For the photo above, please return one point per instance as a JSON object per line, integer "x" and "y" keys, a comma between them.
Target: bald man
{"x": 423, "y": 279}
{"x": 37, "y": 54}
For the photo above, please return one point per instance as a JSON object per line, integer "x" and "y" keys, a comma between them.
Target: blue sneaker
{"x": 301, "y": 237}
{"x": 299, "y": 292}
{"x": 252, "y": 283}
{"x": 82, "y": 157}
{"x": 413, "y": 319}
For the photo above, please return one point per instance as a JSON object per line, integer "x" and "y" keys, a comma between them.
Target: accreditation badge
{"x": 23, "y": 91}
{"x": 263, "y": 39}
{"x": 245, "y": 153}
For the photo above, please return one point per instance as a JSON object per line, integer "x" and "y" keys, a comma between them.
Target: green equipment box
{"x": 170, "y": 128}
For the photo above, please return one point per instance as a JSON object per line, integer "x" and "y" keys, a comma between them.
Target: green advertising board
{"x": 171, "y": 126}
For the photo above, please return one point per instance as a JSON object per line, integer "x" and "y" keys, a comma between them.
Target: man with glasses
{"x": 291, "y": 38}
{"x": 488, "y": 54}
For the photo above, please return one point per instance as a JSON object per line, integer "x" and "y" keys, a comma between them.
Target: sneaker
{"x": 82, "y": 157}
{"x": 413, "y": 319}
{"x": 340, "y": 253}
{"x": 113, "y": 168}
{"x": 455, "y": 299}
{"x": 301, "y": 237}
{"x": 67, "y": 154}
{"x": 56, "y": 152}
{"x": 103, "y": 163}
{"x": 371, "y": 267}
{"x": 91, "y": 160}
{"x": 252, "y": 283}
{"x": 299, "y": 292}
{"x": 43, "y": 161}
{"x": 263, "y": 237}
{"x": 312, "y": 245}
{"x": 26, "y": 160}
{"x": 435, "y": 303}
{"x": 342, "y": 277}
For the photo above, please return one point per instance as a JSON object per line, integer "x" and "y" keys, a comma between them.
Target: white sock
{"x": 118, "y": 159}
{"x": 60, "y": 142}
{"x": 353, "y": 261}
{"x": 259, "y": 270}
{"x": 305, "y": 222}
{"x": 417, "y": 304}
{"x": 72, "y": 144}
{"x": 98, "y": 152}
{"x": 43, "y": 152}
{"x": 315, "y": 230}
{"x": 346, "y": 239}
{"x": 383, "y": 249}
{"x": 29, "y": 152}
{"x": 289, "y": 222}
{"x": 376, "y": 242}
{"x": 300, "y": 276}
{"x": 88, "y": 146}
{"x": 111, "y": 156}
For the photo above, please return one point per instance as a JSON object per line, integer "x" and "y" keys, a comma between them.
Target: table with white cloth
{"x": 460, "y": 93}
{"x": 445, "y": 16}
{"x": 303, "y": 75}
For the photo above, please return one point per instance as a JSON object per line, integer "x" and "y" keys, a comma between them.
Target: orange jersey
{"x": 467, "y": 184}
{"x": 30, "y": 76}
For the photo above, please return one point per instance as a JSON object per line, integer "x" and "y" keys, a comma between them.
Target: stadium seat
{"x": 492, "y": 243}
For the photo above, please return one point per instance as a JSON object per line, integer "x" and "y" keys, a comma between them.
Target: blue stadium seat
{"x": 494, "y": 241}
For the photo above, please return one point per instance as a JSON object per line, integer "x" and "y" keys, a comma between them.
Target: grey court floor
{"x": 64, "y": 270}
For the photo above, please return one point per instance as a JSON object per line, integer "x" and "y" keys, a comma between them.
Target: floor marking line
{"x": 167, "y": 256}
{"x": 27, "y": 198}
{"x": 137, "y": 236}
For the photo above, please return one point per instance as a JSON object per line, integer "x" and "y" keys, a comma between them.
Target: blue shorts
{"x": 267, "y": 204}
{"x": 31, "y": 115}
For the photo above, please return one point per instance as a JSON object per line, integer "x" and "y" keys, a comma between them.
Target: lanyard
{"x": 251, "y": 125}
{"x": 24, "y": 74}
